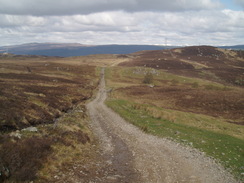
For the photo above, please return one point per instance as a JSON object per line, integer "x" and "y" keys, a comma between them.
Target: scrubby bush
{"x": 212, "y": 87}
{"x": 174, "y": 82}
{"x": 195, "y": 85}
{"x": 148, "y": 79}
{"x": 144, "y": 128}
{"x": 239, "y": 81}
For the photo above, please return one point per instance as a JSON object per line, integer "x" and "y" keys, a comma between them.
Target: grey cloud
{"x": 190, "y": 22}
{"x": 15, "y": 21}
{"x": 71, "y": 7}
{"x": 240, "y": 2}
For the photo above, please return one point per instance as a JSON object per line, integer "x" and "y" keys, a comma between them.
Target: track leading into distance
{"x": 134, "y": 156}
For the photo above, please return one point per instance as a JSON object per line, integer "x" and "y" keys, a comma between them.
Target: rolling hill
{"x": 206, "y": 62}
{"x": 74, "y": 49}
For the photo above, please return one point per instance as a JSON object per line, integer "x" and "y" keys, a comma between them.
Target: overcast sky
{"x": 171, "y": 22}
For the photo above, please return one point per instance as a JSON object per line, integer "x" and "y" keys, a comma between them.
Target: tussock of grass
{"x": 216, "y": 142}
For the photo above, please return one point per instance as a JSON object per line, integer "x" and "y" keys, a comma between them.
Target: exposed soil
{"x": 134, "y": 156}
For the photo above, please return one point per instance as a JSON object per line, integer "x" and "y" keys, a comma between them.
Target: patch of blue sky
{"x": 231, "y": 4}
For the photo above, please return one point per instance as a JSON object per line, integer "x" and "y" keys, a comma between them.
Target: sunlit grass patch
{"x": 125, "y": 76}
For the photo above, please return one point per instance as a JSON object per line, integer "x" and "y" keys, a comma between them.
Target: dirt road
{"x": 134, "y": 156}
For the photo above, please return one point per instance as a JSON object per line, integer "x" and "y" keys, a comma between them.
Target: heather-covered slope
{"x": 220, "y": 65}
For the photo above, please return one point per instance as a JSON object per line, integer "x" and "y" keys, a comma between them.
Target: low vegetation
{"x": 148, "y": 78}
{"x": 54, "y": 149}
{"x": 178, "y": 93}
{"x": 22, "y": 161}
{"x": 37, "y": 97}
{"x": 47, "y": 95}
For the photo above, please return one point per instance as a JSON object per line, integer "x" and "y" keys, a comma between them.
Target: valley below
{"x": 173, "y": 115}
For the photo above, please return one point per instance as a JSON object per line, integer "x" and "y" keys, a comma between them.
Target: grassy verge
{"x": 223, "y": 147}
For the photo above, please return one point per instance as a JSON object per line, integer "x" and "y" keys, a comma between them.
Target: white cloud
{"x": 13, "y": 20}
{"x": 135, "y": 24}
{"x": 204, "y": 27}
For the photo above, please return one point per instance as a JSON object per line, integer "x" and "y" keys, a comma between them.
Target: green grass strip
{"x": 228, "y": 150}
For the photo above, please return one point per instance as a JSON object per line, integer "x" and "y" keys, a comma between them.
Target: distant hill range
{"x": 236, "y": 47}
{"x": 76, "y": 49}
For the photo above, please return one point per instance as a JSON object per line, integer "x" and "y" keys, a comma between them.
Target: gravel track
{"x": 134, "y": 156}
